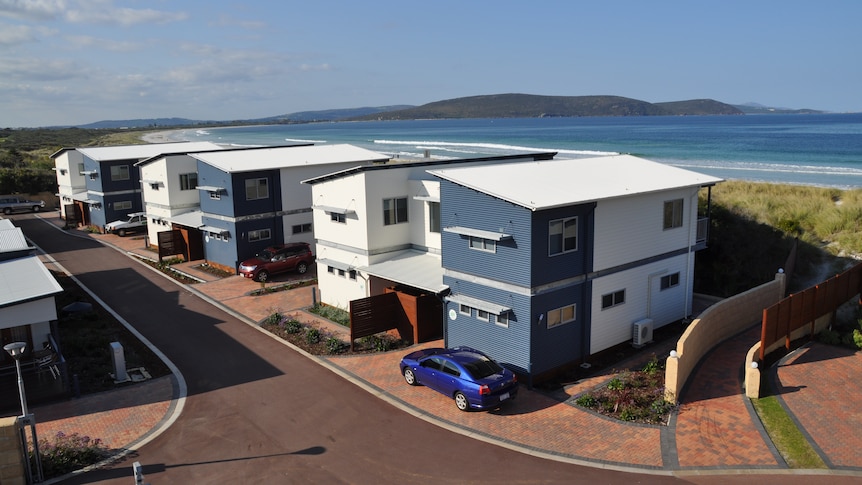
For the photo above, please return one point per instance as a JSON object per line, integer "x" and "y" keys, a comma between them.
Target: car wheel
{"x": 461, "y": 401}
{"x": 121, "y": 232}
{"x": 7, "y": 211}
{"x": 409, "y": 376}
{"x": 301, "y": 268}
{"x": 262, "y": 276}
{"x": 36, "y": 208}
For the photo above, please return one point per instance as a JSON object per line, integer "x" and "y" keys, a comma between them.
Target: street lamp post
{"x": 16, "y": 350}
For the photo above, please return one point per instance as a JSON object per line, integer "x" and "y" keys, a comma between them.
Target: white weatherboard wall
{"x": 643, "y": 299}
{"x": 630, "y": 229}
{"x": 68, "y": 167}
{"x": 420, "y": 217}
{"x": 168, "y": 200}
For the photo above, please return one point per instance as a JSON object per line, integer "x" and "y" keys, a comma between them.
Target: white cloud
{"x": 86, "y": 41}
{"x": 32, "y": 9}
{"x": 38, "y": 70}
{"x": 124, "y": 16}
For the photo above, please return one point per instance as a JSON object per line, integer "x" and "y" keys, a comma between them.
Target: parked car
{"x": 278, "y": 259}
{"x": 134, "y": 222}
{"x": 471, "y": 378}
{"x": 13, "y": 203}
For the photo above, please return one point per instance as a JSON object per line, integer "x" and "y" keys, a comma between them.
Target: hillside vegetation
{"x": 754, "y": 225}
{"x": 534, "y": 106}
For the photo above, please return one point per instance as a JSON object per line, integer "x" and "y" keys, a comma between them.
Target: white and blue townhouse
{"x": 251, "y": 199}
{"x": 549, "y": 262}
{"x": 111, "y": 183}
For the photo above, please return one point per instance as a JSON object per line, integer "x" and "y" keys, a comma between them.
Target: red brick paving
{"x": 117, "y": 418}
{"x": 714, "y": 428}
{"x": 820, "y": 386}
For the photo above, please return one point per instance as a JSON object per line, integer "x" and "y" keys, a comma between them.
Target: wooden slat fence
{"x": 803, "y": 308}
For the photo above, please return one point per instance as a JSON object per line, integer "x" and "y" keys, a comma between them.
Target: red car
{"x": 278, "y": 259}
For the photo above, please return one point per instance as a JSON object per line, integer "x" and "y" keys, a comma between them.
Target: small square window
{"x": 613, "y": 299}
{"x": 464, "y": 309}
{"x": 482, "y": 315}
{"x": 669, "y": 281}
{"x": 672, "y": 214}
{"x": 336, "y": 217}
{"x": 502, "y": 319}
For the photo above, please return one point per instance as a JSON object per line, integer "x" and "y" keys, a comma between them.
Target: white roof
{"x": 143, "y": 151}
{"x": 560, "y": 182}
{"x": 25, "y": 279}
{"x": 233, "y": 161}
{"x": 411, "y": 267}
{"x": 189, "y": 219}
{"x": 12, "y": 239}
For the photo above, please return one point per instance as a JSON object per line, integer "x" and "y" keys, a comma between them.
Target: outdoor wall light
{"x": 673, "y": 354}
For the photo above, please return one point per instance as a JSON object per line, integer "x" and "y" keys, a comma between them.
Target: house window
{"x": 562, "y": 236}
{"x": 613, "y": 299}
{"x": 464, "y": 309}
{"x": 154, "y": 186}
{"x": 394, "y": 211}
{"x": 259, "y": 235}
{"x": 502, "y": 319}
{"x": 256, "y": 189}
{"x": 188, "y": 181}
{"x": 330, "y": 269}
{"x": 673, "y": 214}
{"x": 336, "y": 217}
{"x": 62, "y": 171}
{"x": 434, "y": 217}
{"x": 215, "y": 195}
{"x": 80, "y": 167}
{"x": 122, "y": 205}
{"x": 483, "y": 244}
{"x": 482, "y": 315}
{"x": 300, "y": 228}
{"x": 120, "y": 172}
{"x": 559, "y": 316}
{"x": 352, "y": 274}
{"x": 669, "y": 281}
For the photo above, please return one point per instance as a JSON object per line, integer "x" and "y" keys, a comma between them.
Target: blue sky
{"x": 79, "y": 61}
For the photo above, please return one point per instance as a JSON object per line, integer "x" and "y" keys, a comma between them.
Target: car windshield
{"x": 265, "y": 255}
{"x": 482, "y": 367}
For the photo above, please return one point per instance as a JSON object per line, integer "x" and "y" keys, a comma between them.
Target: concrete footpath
{"x": 714, "y": 432}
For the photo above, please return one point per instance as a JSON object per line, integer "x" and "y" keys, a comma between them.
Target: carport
{"x": 408, "y": 290}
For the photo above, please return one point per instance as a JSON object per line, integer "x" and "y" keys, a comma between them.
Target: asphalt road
{"x": 258, "y": 412}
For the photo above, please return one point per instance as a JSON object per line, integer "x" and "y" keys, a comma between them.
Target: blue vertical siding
{"x": 243, "y": 207}
{"x": 211, "y": 176}
{"x": 509, "y": 345}
{"x": 563, "y": 344}
{"x": 546, "y": 268}
{"x": 460, "y": 206}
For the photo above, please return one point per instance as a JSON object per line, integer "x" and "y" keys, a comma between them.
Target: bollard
{"x": 138, "y": 471}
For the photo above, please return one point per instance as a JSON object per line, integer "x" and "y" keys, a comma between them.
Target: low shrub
{"x": 68, "y": 453}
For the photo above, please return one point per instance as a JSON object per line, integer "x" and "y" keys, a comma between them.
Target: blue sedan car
{"x": 471, "y": 378}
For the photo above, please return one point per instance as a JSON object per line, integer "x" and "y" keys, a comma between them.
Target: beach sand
{"x": 161, "y": 136}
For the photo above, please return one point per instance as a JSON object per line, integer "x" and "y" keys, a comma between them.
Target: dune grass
{"x": 829, "y": 218}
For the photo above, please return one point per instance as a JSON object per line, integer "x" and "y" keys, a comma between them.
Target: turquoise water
{"x": 823, "y": 150}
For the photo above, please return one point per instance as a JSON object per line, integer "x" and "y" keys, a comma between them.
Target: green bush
{"x": 68, "y": 453}
{"x": 312, "y": 335}
{"x": 292, "y": 326}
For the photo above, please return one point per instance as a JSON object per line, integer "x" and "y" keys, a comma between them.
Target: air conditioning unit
{"x": 642, "y": 332}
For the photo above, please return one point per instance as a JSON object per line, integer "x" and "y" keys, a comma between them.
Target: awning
{"x": 426, "y": 198}
{"x": 336, "y": 264}
{"x": 190, "y": 219}
{"x": 333, "y": 210}
{"x": 487, "y": 306}
{"x": 214, "y": 230}
{"x": 469, "y": 231}
{"x": 210, "y": 188}
{"x": 80, "y": 196}
{"x": 412, "y": 268}
{"x": 153, "y": 182}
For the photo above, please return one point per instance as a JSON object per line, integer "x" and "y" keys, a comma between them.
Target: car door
{"x": 280, "y": 262}
{"x": 427, "y": 370}
{"x": 449, "y": 378}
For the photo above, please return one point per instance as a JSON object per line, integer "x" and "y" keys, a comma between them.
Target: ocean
{"x": 813, "y": 149}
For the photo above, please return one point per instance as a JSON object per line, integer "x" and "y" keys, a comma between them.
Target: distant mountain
{"x": 535, "y": 106}
{"x": 144, "y": 123}
{"x": 331, "y": 114}
{"x": 757, "y": 108}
